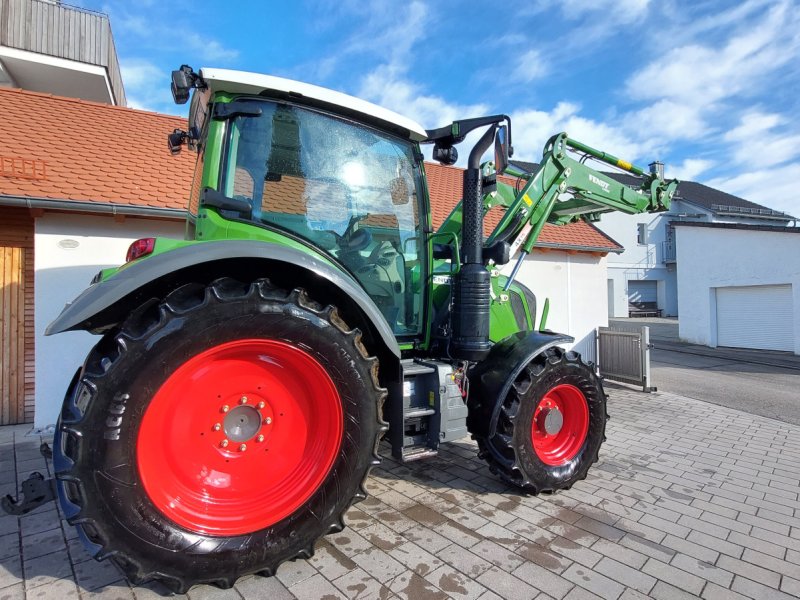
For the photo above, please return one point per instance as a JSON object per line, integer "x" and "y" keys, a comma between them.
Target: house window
{"x": 641, "y": 234}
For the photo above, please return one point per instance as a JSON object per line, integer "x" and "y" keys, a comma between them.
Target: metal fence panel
{"x": 625, "y": 355}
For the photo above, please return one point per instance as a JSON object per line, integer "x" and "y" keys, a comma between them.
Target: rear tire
{"x": 218, "y": 433}
{"x": 550, "y": 425}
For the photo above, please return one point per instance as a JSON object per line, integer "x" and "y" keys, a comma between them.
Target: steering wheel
{"x": 357, "y": 240}
{"x": 354, "y": 240}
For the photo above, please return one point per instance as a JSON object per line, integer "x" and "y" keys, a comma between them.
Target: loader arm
{"x": 591, "y": 192}
{"x": 562, "y": 190}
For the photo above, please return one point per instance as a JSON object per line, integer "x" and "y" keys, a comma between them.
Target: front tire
{"x": 550, "y": 425}
{"x": 218, "y": 433}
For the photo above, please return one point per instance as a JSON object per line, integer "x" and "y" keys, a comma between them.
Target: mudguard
{"x": 490, "y": 380}
{"x": 79, "y": 314}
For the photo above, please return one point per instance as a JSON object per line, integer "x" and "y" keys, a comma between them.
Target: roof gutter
{"x": 554, "y": 246}
{"x": 105, "y": 208}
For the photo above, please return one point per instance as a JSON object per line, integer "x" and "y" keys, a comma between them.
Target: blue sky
{"x": 711, "y": 88}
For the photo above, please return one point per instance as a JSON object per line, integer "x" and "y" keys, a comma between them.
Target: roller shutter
{"x": 759, "y": 317}
{"x": 642, "y": 291}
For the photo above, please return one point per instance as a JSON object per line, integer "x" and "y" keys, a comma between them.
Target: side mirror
{"x": 501, "y": 149}
{"x": 183, "y": 80}
{"x": 176, "y": 139}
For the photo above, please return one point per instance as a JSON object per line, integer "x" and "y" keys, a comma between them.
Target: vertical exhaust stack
{"x": 472, "y": 290}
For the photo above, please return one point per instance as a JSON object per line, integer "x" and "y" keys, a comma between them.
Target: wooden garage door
{"x": 12, "y": 348}
{"x": 16, "y": 317}
{"x": 758, "y": 316}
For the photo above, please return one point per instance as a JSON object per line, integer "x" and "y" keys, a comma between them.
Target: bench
{"x": 643, "y": 309}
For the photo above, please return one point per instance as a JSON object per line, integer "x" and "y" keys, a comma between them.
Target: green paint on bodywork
{"x": 503, "y": 322}
{"x": 545, "y": 312}
{"x": 223, "y": 229}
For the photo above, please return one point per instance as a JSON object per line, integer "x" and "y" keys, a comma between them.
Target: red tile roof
{"x": 446, "y": 189}
{"x": 67, "y": 149}
{"x": 72, "y": 150}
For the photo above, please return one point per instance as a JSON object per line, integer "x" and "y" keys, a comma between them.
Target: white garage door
{"x": 642, "y": 291}
{"x": 758, "y": 316}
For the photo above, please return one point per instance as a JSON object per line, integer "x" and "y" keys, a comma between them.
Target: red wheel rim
{"x": 239, "y": 437}
{"x": 560, "y": 425}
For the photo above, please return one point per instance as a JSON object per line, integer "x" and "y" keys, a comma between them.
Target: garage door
{"x": 642, "y": 291}
{"x": 755, "y": 317}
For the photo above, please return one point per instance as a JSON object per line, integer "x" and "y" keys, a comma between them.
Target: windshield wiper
{"x": 211, "y": 197}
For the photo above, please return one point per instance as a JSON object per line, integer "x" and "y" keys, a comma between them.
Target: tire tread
{"x": 144, "y": 322}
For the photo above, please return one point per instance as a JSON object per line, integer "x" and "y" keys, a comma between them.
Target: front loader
{"x": 232, "y": 408}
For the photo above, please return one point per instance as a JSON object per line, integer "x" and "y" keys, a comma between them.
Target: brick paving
{"x": 688, "y": 500}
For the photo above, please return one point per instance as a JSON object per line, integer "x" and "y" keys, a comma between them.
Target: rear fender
{"x": 491, "y": 379}
{"x": 104, "y": 304}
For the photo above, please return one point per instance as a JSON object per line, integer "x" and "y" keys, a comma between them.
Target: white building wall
{"x": 577, "y": 287}
{"x": 710, "y": 258}
{"x": 639, "y": 261}
{"x": 646, "y": 262}
{"x": 69, "y": 251}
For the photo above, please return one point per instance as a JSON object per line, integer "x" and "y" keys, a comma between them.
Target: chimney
{"x": 657, "y": 168}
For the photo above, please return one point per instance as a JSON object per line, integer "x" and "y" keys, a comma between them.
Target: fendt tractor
{"x": 232, "y": 409}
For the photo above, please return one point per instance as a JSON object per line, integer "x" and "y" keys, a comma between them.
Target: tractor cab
{"x": 338, "y": 175}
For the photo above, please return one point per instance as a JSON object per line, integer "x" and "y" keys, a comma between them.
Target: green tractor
{"x": 232, "y": 409}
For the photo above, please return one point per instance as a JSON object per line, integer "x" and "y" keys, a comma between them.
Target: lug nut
{"x": 225, "y": 408}
{"x": 243, "y": 447}
{"x": 261, "y": 404}
{"x": 224, "y": 443}
{"x": 243, "y": 400}
{"x": 260, "y": 438}
{"x": 268, "y": 420}
{"x": 217, "y": 426}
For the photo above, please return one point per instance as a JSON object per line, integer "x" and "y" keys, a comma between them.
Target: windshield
{"x": 348, "y": 189}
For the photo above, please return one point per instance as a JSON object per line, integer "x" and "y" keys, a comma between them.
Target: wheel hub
{"x": 551, "y": 420}
{"x": 560, "y": 425}
{"x": 242, "y": 423}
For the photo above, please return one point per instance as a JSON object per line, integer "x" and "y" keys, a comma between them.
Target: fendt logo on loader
{"x": 597, "y": 181}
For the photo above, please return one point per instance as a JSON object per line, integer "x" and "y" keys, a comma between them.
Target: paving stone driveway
{"x": 689, "y": 499}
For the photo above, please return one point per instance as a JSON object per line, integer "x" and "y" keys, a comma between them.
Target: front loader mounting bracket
{"x": 35, "y": 491}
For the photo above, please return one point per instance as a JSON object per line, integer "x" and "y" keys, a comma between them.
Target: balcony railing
{"x": 62, "y": 31}
{"x": 668, "y": 251}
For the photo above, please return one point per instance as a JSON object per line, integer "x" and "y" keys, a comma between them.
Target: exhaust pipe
{"x": 472, "y": 289}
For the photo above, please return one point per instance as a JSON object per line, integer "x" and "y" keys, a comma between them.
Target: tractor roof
{"x": 242, "y": 82}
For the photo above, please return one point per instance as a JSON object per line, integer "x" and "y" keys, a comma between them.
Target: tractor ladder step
{"x": 418, "y": 435}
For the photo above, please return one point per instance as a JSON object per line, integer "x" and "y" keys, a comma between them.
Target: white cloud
{"x": 381, "y": 31}
{"x": 620, "y": 12}
{"x": 153, "y": 32}
{"x": 689, "y": 169}
{"x": 208, "y": 49}
{"x": 147, "y": 86}
{"x": 532, "y": 128}
{"x": 388, "y": 87}
{"x": 754, "y": 142}
{"x": 775, "y": 188}
{"x": 706, "y": 91}
{"x": 668, "y": 121}
{"x": 699, "y": 75}
{"x": 529, "y": 66}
